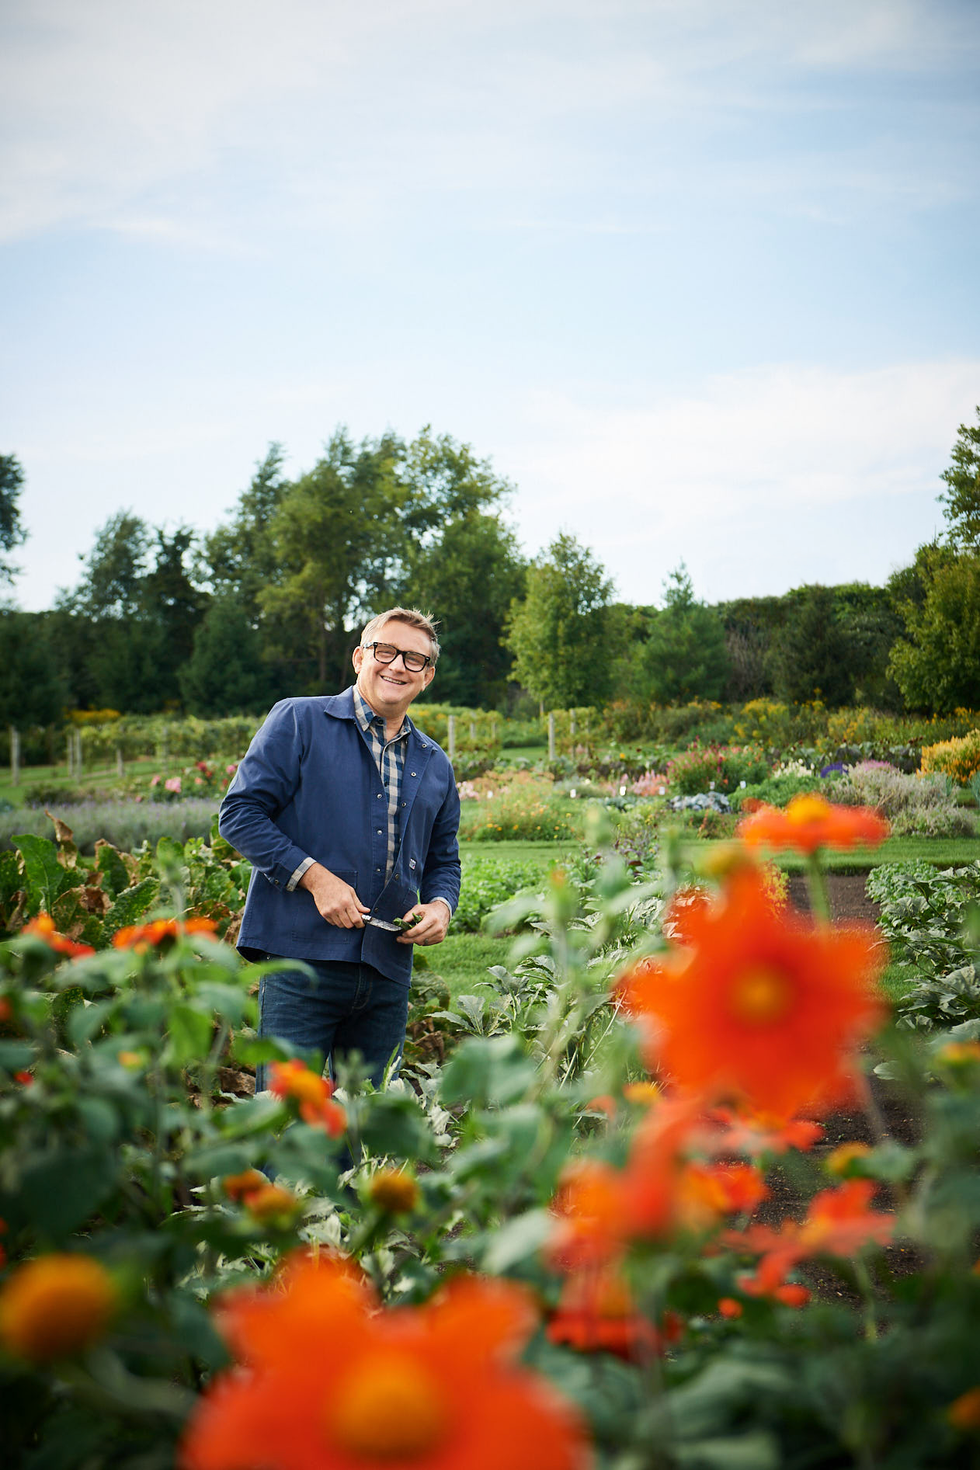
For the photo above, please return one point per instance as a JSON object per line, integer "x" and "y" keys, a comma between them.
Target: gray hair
{"x": 411, "y": 615}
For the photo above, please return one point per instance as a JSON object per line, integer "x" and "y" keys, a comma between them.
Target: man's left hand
{"x": 431, "y": 927}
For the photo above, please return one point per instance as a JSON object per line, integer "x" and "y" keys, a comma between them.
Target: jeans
{"x": 343, "y": 1007}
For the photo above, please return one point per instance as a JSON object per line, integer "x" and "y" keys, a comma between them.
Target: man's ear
{"x": 430, "y": 674}
{"x": 357, "y": 658}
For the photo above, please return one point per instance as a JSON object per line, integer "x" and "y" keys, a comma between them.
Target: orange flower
{"x": 43, "y": 928}
{"x": 754, "y": 1133}
{"x": 763, "y": 1006}
{"x": 331, "y": 1382}
{"x": 395, "y": 1191}
{"x": 590, "y": 1207}
{"x": 141, "y": 937}
{"x": 596, "y": 1313}
{"x": 599, "y": 1208}
{"x": 272, "y": 1204}
{"x": 312, "y": 1092}
{"x": 239, "y": 1186}
{"x": 838, "y": 1222}
{"x": 809, "y": 822}
{"x": 730, "y": 1308}
{"x": 964, "y": 1412}
{"x": 54, "y": 1306}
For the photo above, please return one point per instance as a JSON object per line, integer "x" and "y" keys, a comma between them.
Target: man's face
{"x": 390, "y": 688}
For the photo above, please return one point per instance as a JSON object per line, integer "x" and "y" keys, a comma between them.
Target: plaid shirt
{"x": 389, "y": 757}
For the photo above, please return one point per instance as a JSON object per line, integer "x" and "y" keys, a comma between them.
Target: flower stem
{"x": 816, "y": 880}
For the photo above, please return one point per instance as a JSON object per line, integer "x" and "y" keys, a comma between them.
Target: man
{"x": 349, "y": 817}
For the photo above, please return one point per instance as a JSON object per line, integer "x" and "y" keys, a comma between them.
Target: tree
{"x": 12, "y": 532}
{"x": 239, "y": 557}
{"x": 962, "y": 497}
{"x": 811, "y": 656}
{"x": 226, "y": 673}
{"x": 339, "y": 542}
{"x": 469, "y": 578}
{"x": 347, "y": 537}
{"x": 31, "y": 691}
{"x": 124, "y": 631}
{"x": 560, "y": 632}
{"x": 937, "y": 663}
{"x": 684, "y": 657}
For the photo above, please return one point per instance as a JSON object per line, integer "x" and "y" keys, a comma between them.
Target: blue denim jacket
{"x": 309, "y": 787}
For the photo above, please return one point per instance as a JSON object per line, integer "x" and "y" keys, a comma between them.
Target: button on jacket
{"x": 309, "y": 787}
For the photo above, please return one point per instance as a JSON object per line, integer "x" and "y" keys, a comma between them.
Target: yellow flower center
{"x": 388, "y": 1407}
{"x": 394, "y": 1190}
{"x": 54, "y": 1306}
{"x": 761, "y": 995}
{"x": 807, "y": 808}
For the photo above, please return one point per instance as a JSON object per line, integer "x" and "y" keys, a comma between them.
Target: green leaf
{"x": 190, "y": 1032}
{"x": 489, "y": 1070}
{"x": 521, "y": 1237}
{"x": 756, "y": 1450}
{"x": 218, "y": 1160}
{"x": 61, "y": 1189}
{"x": 130, "y": 906}
{"x": 45, "y": 876}
{"x": 395, "y": 1126}
{"x": 115, "y": 874}
{"x": 15, "y": 1056}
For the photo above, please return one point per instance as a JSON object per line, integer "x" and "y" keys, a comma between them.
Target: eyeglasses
{"x": 386, "y": 653}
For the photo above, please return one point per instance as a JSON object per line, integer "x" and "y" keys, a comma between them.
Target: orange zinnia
{"x": 312, "y": 1092}
{"x": 596, "y": 1313}
{"x": 809, "y": 822}
{"x": 43, "y": 928}
{"x": 142, "y": 937}
{"x": 331, "y": 1382}
{"x": 55, "y": 1306}
{"x": 764, "y": 1006}
{"x": 839, "y": 1222}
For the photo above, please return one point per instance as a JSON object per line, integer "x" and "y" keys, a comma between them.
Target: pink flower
{"x": 231, "y": 769}
{"x": 172, "y": 783}
{"x": 155, "y": 780}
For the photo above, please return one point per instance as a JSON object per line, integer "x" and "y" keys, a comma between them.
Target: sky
{"x": 698, "y": 276}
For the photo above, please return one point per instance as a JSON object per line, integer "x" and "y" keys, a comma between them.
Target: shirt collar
{"x": 366, "y": 716}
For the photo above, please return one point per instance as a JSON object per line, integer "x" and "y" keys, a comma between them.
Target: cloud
{"x": 776, "y": 456}
{"x": 334, "y": 106}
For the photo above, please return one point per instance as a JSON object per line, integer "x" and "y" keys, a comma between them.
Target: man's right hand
{"x": 336, "y": 900}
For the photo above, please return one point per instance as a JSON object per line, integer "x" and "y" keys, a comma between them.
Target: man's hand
{"x": 336, "y": 900}
{"x": 431, "y": 927}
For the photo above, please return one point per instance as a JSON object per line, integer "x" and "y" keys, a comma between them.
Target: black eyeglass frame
{"x": 405, "y": 653}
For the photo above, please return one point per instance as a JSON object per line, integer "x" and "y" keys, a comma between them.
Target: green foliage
{"x": 135, "y": 1113}
{"x": 717, "y": 768}
{"x": 225, "y": 672}
{"x": 560, "y": 634}
{"x": 937, "y": 662}
{"x": 12, "y": 532}
{"x": 777, "y": 789}
{"x": 471, "y": 575}
{"x": 489, "y": 882}
{"x": 961, "y": 500}
{"x": 31, "y": 690}
{"x": 685, "y": 656}
{"x": 914, "y": 805}
{"x": 524, "y": 810}
{"x": 811, "y": 656}
{"x": 931, "y": 919}
{"x": 126, "y": 824}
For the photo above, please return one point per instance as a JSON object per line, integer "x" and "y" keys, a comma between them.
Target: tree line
{"x": 271, "y": 602}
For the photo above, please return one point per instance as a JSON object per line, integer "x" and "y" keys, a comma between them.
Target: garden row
{"x": 559, "y": 1247}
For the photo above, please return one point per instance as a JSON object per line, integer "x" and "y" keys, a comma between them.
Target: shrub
{"x": 925, "y": 915}
{"x": 959, "y": 758}
{"x": 525, "y": 809}
{"x": 713, "y": 767}
{"x": 777, "y": 790}
{"x": 916, "y": 806}
{"x": 489, "y": 882}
